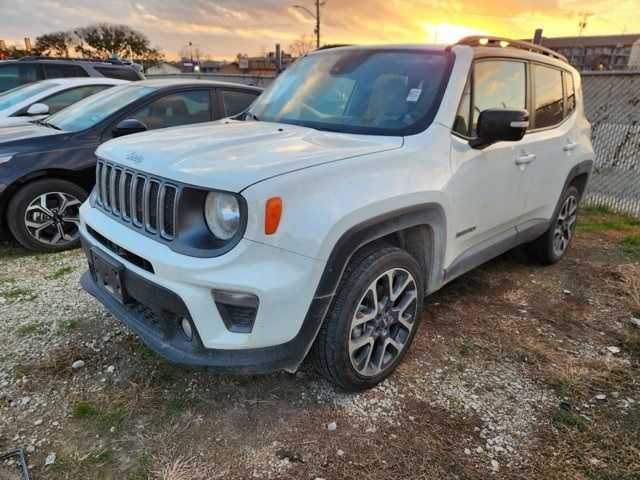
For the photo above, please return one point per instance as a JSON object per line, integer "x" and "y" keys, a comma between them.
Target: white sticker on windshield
{"x": 414, "y": 94}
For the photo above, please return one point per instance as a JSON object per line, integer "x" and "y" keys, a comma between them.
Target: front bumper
{"x": 177, "y": 286}
{"x": 157, "y": 325}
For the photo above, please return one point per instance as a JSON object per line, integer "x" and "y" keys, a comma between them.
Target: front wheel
{"x": 372, "y": 320}
{"x": 44, "y": 215}
{"x": 554, "y": 243}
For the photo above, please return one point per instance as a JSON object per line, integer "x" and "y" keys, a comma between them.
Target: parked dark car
{"x": 14, "y": 73}
{"x": 47, "y": 168}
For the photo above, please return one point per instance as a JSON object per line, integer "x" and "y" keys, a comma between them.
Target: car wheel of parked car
{"x": 44, "y": 215}
{"x": 372, "y": 320}
{"x": 553, "y": 244}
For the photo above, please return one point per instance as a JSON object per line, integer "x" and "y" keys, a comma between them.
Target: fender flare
{"x": 427, "y": 214}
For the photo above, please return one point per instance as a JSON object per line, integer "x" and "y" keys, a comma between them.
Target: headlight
{"x": 5, "y": 157}
{"x": 222, "y": 213}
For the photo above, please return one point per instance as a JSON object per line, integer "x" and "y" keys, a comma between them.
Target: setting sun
{"x": 447, "y": 33}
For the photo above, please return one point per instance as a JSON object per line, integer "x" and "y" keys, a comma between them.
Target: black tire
{"x": 542, "y": 248}
{"x": 24, "y": 197}
{"x": 330, "y": 352}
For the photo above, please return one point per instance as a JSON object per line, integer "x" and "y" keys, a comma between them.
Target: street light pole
{"x": 316, "y": 16}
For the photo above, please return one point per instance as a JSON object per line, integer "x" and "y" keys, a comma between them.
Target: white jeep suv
{"x": 362, "y": 180}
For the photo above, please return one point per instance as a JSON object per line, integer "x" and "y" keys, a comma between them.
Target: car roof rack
{"x": 72, "y": 59}
{"x": 490, "y": 41}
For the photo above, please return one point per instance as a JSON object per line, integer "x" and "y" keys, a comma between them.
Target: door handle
{"x": 524, "y": 159}
{"x": 569, "y": 146}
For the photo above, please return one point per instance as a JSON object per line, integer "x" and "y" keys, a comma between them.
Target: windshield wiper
{"x": 50, "y": 125}
{"x": 328, "y": 129}
{"x": 252, "y": 115}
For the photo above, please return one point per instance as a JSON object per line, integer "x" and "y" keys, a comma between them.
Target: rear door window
{"x": 121, "y": 73}
{"x": 549, "y": 101}
{"x": 16, "y": 74}
{"x": 63, "y": 71}
{"x": 236, "y": 102}
{"x": 176, "y": 109}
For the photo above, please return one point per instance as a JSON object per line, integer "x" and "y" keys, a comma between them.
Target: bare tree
{"x": 302, "y": 45}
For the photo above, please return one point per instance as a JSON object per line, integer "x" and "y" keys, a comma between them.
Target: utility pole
{"x": 582, "y": 25}
{"x": 316, "y": 16}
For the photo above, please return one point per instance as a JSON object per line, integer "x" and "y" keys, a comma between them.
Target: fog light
{"x": 186, "y": 329}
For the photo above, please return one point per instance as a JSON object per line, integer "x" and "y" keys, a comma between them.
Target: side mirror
{"x": 38, "y": 109}
{"x": 498, "y": 125}
{"x": 127, "y": 127}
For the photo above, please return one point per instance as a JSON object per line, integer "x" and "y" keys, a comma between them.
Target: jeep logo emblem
{"x": 134, "y": 157}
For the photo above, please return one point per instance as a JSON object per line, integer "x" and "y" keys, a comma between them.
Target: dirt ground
{"x": 518, "y": 371}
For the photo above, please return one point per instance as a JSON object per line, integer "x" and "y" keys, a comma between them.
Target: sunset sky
{"x": 223, "y": 28}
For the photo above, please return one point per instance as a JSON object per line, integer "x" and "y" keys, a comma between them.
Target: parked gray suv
{"x": 14, "y": 73}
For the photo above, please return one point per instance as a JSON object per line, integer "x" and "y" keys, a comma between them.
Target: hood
{"x": 27, "y": 135}
{"x": 231, "y": 155}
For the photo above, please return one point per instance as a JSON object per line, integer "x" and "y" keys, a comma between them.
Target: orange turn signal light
{"x": 273, "y": 212}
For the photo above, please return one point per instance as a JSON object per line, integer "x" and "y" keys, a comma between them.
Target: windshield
{"x": 376, "y": 92}
{"x": 96, "y": 108}
{"x": 19, "y": 94}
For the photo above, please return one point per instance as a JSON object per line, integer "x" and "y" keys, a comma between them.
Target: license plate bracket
{"x": 109, "y": 274}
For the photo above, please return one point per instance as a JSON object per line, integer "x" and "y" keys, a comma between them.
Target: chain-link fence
{"x": 612, "y": 102}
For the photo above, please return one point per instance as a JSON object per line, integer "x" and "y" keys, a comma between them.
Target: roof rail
{"x": 490, "y": 41}
{"x": 72, "y": 59}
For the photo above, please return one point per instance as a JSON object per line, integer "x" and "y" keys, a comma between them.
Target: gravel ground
{"x": 512, "y": 375}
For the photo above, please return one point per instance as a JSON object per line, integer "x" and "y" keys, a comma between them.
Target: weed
{"x": 98, "y": 457}
{"x": 631, "y": 244}
{"x": 19, "y": 294}
{"x": 61, "y": 272}
{"x": 143, "y": 468}
{"x": 465, "y": 350}
{"x": 174, "y": 404}
{"x": 568, "y": 419}
{"x": 65, "y": 326}
{"x": 32, "y": 329}
{"x": 84, "y": 410}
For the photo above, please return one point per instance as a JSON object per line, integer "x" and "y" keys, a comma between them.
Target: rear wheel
{"x": 44, "y": 215}
{"x": 372, "y": 320}
{"x": 554, "y": 243}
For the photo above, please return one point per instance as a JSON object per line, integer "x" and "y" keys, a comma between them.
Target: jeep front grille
{"x": 137, "y": 198}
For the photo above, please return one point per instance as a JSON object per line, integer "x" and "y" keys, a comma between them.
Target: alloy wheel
{"x": 565, "y": 225}
{"x": 383, "y": 322}
{"x": 53, "y": 218}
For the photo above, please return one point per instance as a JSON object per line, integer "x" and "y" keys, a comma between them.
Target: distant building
{"x": 262, "y": 66}
{"x": 598, "y": 52}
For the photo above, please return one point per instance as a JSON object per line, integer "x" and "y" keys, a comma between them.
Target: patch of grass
{"x": 32, "y": 329}
{"x": 98, "y": 457}
{"x": 596, "y": 210}
{"x": 61, "y": 272}
{"x": 7, "y": 280}
{"x": 631, "y": 244}
{"x": 103, "y": 420}
{"x": 174, "y": 404}
{"x": 465, "y": 350}
{"x": 66, "y": 326}
{"x": 84, "y": 410}
{"x": 568, "y": 419}
{"x": 142, "y": 469}
{"x": 19, "y": 294}
{"x": 597, "y": 219}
